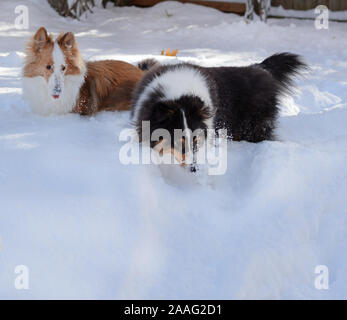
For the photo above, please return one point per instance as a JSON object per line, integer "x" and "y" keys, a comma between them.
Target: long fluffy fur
{"x": 147, "y": 64}
{"x": 243, "y": 100}
{"x": 108, "y": 86}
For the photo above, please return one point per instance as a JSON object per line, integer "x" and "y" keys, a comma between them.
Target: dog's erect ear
{"x": 162, "y": 112}
{"x": 66, "y": 40}
{"x": 40, "y": 38}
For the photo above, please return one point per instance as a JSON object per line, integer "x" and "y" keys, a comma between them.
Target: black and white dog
{"x": 242, "y": 100}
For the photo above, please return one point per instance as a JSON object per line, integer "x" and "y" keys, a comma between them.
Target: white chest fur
{"x": 35, "y": 91}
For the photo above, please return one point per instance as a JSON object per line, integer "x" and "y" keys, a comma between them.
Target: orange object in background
{"x": 168, "y": 53}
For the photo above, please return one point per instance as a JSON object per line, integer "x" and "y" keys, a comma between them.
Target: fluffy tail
{"x": 147, "y": 64}
{"x": 283, "y": 67}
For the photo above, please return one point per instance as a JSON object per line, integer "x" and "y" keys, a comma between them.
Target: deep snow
{"x": 87, "y": 226}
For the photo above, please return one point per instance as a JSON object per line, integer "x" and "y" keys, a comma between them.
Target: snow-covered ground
{"x": 87, "y": 226}
{"x": 309, "y": 14}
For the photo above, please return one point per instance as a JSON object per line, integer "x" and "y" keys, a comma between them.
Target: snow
{"x": 87, "y": 226}
{"x": 310, "y": 14}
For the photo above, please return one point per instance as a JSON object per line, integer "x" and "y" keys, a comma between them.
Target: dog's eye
{"x": 49, "y": 67}
{"x": 63, "y": 68}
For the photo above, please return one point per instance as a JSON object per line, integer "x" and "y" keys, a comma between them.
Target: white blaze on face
{"x": 187, "y": 133}
{"x": 56, "y": 80}
{"x": 189, "y": 156}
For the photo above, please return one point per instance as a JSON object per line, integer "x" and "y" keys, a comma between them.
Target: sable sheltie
{"x": 242, "y": 100}
{"x": 57, "y": 80}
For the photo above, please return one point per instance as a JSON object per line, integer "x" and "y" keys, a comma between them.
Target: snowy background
{"x": 88, "y": 227}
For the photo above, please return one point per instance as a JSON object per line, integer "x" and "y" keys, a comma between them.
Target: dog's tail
{"x": 147, "y": 64}
{"x": 283, "y": 67}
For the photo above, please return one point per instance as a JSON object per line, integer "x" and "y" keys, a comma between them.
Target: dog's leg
{"x": 88, "y": 101}
{"x": 94, "y": 100}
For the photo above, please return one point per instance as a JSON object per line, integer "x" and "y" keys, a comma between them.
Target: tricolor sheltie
{"x": 57, "y": 80}
{"x": 242, "y": 100}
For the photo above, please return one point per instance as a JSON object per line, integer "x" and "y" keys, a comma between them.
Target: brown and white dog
{"x": 57, "y": 80}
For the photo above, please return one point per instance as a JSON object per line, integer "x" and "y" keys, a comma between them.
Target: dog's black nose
{"x": 192, "y": 168}
{"x": 57, "y": 88}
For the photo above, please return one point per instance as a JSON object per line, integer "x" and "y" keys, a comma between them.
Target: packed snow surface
{"x": 87, "y": 226}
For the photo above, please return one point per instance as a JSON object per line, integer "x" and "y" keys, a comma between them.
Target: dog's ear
{"x": 40, "y": 39}
{"x": 67, "y": 40}
{"x": 162, "y": 111}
